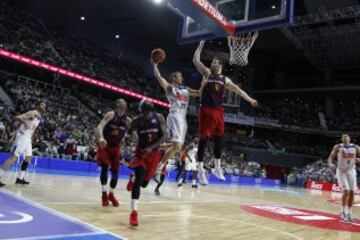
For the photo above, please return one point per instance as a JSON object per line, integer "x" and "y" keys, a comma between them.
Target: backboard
{"x": 206, "y": 19}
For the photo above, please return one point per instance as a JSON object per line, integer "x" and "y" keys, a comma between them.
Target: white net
{"x": 240, "y": 46}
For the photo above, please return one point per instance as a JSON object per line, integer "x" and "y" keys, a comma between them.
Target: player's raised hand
{"x": 102, "y": 143}
{"x": 202, "y": 43}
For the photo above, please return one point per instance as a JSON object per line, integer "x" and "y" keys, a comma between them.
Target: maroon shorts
{"x": 149, "y": 163}
{"x": 211, "y": 122}
{"x": 110, "y": 155}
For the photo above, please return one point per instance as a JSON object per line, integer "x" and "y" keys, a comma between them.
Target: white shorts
{"x": 190, "y": 165}
{"x": 22, "y": 146}
{"x": 176, "y": 128}
{"x": 347, "y": 180}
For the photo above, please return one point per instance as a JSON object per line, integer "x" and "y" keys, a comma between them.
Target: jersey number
{"x": 115, "y": 132}
{"x": 217, "y": 87}
{"x": 149, "y": 136}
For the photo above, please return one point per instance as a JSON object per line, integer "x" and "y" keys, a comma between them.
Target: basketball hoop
{"x": 240, "y": 46}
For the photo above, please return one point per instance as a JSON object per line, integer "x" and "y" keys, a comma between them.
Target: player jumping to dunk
{"x": 211, "y": 114}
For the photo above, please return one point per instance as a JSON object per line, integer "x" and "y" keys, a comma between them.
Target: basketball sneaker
{"x": 349, "y": 218}
{"x": 218, "y": 172}
{"x": 21, "y": 181}
{"x": 202, "y": 177}
{"x": 105, "y": 199}
{"x": 133, "y": 220}
{"x": 157, "y": 192}
{"x": 113, "y": 200}
{"x": 195, "y": 186}
{"x": 2, "y": 184}
{"x": 343, "y": 215}
{"x": 179, "y": 185}
{"x": 130, "y": 184}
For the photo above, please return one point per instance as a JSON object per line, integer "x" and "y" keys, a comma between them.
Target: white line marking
{"x": 62, "y": 215}
{"x": 59, "y": 236}
{"x": 228, "y": 220}
{"x": 142, "y": 203}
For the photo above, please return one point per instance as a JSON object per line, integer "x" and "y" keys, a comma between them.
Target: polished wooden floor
{"x": 211, "y": 212}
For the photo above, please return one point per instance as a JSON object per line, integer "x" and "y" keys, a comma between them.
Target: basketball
{"x": 158, "y": 55}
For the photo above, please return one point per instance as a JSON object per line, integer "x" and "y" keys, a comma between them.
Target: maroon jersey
{"x": 148, "y": 130}
{"x": 213, "y": 92}
{"x": 114, "y": 131}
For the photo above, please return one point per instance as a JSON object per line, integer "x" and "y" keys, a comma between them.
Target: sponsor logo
{"x": 303, "y": 217}
{"x": 317, "y": 186}
{"x": 214, "y": 13}
{"x": 336, "y": 188}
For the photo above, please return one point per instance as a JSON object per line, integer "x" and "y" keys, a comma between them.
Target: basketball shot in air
{"x": 178, "y": 96}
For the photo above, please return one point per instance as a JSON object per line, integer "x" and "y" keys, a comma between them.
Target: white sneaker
{"x": 202, "y": 178}
{"x": 218, "y": 172}
{"x": 343, "y": 215}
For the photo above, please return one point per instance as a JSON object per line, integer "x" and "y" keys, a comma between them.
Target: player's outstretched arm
{"x": 162, "y": 81}
{"x": 332, "y": 156}
{"x": 100, "y": 127}
{"x": 236, "y": 89}
{"x": 200, "y": 67}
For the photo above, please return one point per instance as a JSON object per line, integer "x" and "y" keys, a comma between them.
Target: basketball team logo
{"x": 303, "y": 216}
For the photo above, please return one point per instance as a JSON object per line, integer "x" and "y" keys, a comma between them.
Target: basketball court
{"x": 68, "y": 207}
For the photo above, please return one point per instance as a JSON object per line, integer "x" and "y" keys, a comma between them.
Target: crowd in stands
{"x": 319, "y": 171}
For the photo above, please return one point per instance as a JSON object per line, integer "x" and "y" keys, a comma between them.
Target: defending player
{"x": 22, "y": 144}
{"x": 346, "y": 153}
{"x": 151, "y": 131}
{"x": 110, "y": 133}
{"x": 211, "y": 115}
{"x": 178, "y": 97}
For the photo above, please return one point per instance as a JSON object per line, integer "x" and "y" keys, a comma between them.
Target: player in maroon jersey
{"x": 211, "y": 115}
{"x": 151, "y": 131}
{"x": 110, "y": 133}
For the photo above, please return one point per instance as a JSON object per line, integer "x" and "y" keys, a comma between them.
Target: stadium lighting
{"x": 117, "y": 36}
{"x": 273, "y": 6}
{"x": 157, "y": 1}
{"x": 82, "y": 18}
{"x": 78, "y": 77}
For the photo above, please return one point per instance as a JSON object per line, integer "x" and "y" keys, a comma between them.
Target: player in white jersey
{"x": 178, "y": 97}
{"x": 22, "y": 144}
{"x": 346, "y": 153}
{"x": 190, "y": 165}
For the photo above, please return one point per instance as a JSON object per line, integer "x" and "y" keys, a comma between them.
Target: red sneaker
{"x": 133, "y": 219}
{"x": 130, "y": 184}
{"x": 105, "y": 199}
{"x": 113, "y": 200}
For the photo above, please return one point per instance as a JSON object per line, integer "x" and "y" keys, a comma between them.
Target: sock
{"x": 349, "y": 210}
{"x": 201, "y": 166}
{"x": 218, "y": 163}
{"x": 193, "y": 182}
{"x": 346, "y": 210}
{"x": 343, "y": 209}
{"x": 103, "y": 188}
{"x": 112, "y": 190}
{"x": 22, "y": 175}
{"x": 134, "y": 204}
{"x": 1, "y": 172}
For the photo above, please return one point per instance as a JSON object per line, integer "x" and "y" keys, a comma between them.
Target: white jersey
{"x": 30, "y": 125}
{"x": 346, "y": 157}
{"x": 192, "y": 154}
{"x": 178, "y": 98}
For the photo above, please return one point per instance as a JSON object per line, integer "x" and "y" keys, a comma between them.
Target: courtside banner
{"x": 325, "y": 186}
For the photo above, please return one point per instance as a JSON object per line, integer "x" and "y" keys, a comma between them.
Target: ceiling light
{"x": 117, "y": 36}
{"x": 82, "y": 18}
{"x": 157, "y": 1}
